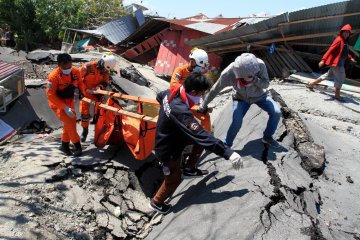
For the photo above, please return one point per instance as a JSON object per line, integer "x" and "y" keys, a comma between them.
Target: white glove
{"x": 236, "y": 161}
{"x": 69, "y": 112}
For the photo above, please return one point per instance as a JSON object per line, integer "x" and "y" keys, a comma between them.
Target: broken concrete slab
{"x": 313, "y": 157}
{"x": 35, "y": 83}
{"x": 131, "y": 88}
{"x": 139, "y": 200}
{"x": 31, "y": 106}
{"x": 134, "y": 216}
{"x": 43, "y": 55}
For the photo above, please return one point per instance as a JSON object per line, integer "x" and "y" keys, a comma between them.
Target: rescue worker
{"x": 95, "y": 75}
{"x": 60, "y": 90}
{"x": 198, "y": 60}
{"x": 336, "y": 57}
{"x": 249, "y": 77}
{"x": 176, "y": 125}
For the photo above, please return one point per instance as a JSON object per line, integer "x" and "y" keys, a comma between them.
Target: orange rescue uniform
{"x": 179, "y": 75}
{"x": 91, "y": 78}
{"x": 57, "y": 83}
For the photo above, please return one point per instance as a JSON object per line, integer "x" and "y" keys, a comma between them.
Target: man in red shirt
{"x": 335, "y": 57}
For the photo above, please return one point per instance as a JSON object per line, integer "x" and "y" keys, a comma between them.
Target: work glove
{"x": 202, "y": 110}
{"x": 69, "y": 112}
{"x": 236, "y": 161}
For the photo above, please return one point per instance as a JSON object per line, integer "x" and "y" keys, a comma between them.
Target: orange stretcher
{"x": 136, "y": 129}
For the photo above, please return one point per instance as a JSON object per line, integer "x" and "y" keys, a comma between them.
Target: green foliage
{"x": 54, "y": 15}
{"x": 101, "y": 12}
{"x": 20, "y": 14}
{"x": 34, "y": 20}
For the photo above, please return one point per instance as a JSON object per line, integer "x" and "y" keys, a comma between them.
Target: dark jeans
{"x": 240, "y": 108}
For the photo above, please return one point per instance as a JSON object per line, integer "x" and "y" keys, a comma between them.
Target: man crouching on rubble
{"x": 249, "y": 78}
{"x": 60, "y": 90}
{"x": 176, "y": 125}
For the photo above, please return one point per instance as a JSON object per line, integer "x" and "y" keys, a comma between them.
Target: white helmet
{"x": 200, "y": 56}
{"x": 109, "y": 61}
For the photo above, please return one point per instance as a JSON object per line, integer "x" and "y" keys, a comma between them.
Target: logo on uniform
{"x": 194, "y": 126}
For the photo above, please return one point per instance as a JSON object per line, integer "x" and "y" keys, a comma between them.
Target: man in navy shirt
{"x": 176, "y": 126}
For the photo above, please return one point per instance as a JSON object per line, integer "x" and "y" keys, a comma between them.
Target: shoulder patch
{"x": 194, "y": 126}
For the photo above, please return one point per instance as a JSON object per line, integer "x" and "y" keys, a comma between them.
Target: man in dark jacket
{"x": 176, "y": 126}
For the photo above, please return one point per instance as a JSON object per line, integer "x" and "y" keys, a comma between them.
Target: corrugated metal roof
{"x": 209, "y": 25}
{"x": 7, "y": 69}
{"x": 298, "y": 23}
{"x": 150, "y": 28}
{"x": 140, "y": 17}
{"x": 206, "y": 27}
{"x": 91, "y": 32}
{"x": 117, "y": 30}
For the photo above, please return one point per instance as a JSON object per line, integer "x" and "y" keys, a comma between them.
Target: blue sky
{"x": 228, "y": 8}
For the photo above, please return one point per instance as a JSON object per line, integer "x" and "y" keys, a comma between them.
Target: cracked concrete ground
{"x": 273, "y": 197}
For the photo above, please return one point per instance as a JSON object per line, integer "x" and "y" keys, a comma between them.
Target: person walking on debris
{"x": 336, "y": 57}
{"x": 249, "y": 77}
{"x": 198, "y": 60}
{"x": 176, "y": 125}
{"x": 95, "y": 75}
{"x": 60, "y": 89}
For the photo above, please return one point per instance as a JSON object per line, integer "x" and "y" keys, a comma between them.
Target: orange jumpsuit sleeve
{"x": 81, "y": 84}
{"x": 175, "y": 78}
{"x": 106, "y": 79}
{"x": 51, "y": 87}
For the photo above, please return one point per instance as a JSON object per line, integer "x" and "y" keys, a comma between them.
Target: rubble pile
{"x": 82, "y": 198}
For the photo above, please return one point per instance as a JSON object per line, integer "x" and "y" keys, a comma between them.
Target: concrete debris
{"x": 130, "y": 73}
{"x": 34, "y": 83}
{"x": 312, "y": 155}
{"x": 349, "y": 180}
{"x": 43, "y": 55}
{"x": 139, "y": 201}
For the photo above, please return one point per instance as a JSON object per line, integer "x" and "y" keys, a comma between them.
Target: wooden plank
{"x": 272, "y": 63}
{"x": 282, "y": 57}
{"x": 128, "y": 97}
{"x": 300, "y": 60}
{"x": 308, "y": 44}
{"x": 275, "y": 40}
{"x": 123, "y": 112}
{"x": 268, "y": 65}
{"x": 319, "y": 18}
{"x": 300, "y": 64}
{"x": 284, "y": 24}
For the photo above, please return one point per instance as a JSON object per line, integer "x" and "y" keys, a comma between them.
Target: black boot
{"x": 84, "y": 134}
{"x": 65, "y": 148}
{"x": 78, "y": 149}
